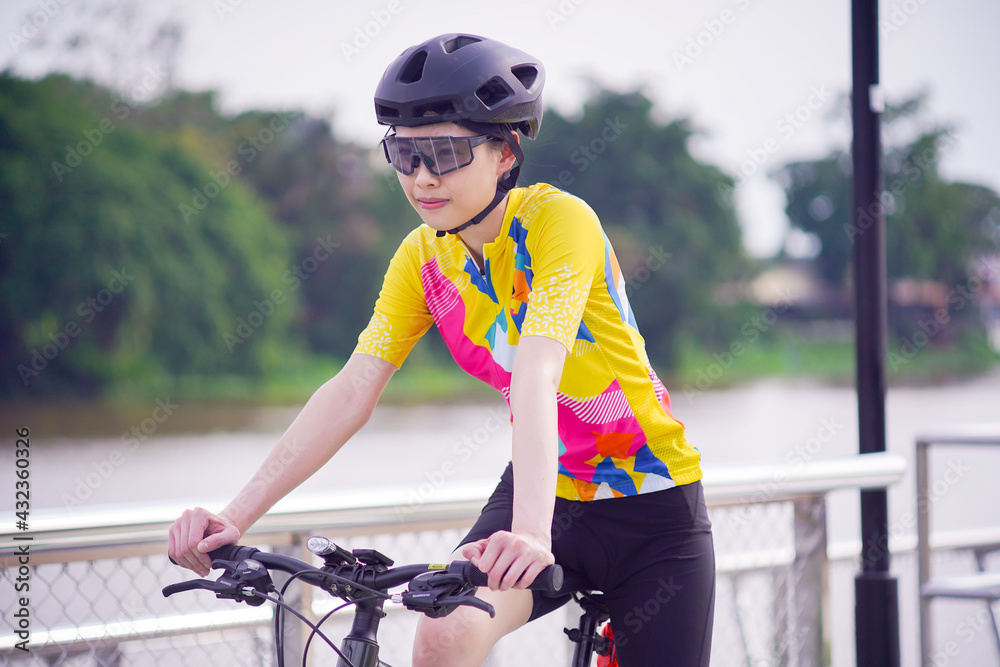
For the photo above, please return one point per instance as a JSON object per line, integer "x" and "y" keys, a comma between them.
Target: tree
{"x": 936, "y": 230}
{"x": 127, "y": 258}
{"x": 934, "y": 227}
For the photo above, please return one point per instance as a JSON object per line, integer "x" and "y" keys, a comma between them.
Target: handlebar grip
{"x": 232, "y": 552}
{"x": 227, "y": 552}
{"x": 548, "y": 581}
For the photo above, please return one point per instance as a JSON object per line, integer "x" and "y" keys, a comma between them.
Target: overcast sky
{"x": 738, "y": 68}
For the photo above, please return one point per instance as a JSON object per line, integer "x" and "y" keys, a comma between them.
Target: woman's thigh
{"x": 663, "y": 613}
{"x": 466, "y": 635}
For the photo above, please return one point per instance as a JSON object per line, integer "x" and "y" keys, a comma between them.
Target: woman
{"x": 524, "y": 288}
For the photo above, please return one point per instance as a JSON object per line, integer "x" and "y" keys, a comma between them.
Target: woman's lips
{"x": 431, "y": 204}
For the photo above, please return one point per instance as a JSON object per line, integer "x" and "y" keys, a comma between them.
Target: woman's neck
{"x": 477, "y": 236}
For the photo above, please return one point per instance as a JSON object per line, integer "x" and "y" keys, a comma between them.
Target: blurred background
{"x": 193, "y": 204}
{"x": 195, "y": 220}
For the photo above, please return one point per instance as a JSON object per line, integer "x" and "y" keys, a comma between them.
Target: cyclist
{"x": 525, "y": 290}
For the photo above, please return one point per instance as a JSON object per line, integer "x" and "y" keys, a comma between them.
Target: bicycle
{"x": 363, "y": 578}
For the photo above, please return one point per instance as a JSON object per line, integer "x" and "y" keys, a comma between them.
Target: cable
{"x": 305, "y": 620}
{"x": 340, "y": 580}
{"x": 323, "y": 620}
{"x": 279, "y": 632}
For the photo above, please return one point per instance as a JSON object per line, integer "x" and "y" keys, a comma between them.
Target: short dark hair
{"x": 498, "y": 132}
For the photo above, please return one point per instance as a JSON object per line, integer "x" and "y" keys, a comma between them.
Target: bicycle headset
{"x": 476, "y": 82}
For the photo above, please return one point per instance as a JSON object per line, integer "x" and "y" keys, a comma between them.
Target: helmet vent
{"x": 435, "y": 109}
{"x": 526, "y": 74}
{"x": 456, "y": 43}
{"x": 384, "y": 111}
{"x": 414, "y": 69}
{"x": 493, "y": 92}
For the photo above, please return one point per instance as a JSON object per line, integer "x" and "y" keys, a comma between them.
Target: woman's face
{"x": 448, "y": 201}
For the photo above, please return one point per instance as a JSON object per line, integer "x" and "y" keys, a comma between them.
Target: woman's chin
{"x": 438, "y": 223}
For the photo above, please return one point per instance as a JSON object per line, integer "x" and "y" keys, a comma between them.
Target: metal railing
{"x": 982, "y": 585}
{"x": 96, "y": 576}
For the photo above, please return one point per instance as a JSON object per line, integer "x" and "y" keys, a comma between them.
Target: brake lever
{"x": 213, "y": 586}
{"x": 469, "y": 601}
{"x": 438, "y": 593}
{"x": 238, "y": 582}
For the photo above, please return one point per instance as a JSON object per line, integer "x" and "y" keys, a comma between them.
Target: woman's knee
{"x": 466, "y": 636}
{"x": 452, "y": 640}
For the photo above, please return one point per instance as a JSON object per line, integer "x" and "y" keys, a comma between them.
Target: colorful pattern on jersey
{"x": 551, "y": 272}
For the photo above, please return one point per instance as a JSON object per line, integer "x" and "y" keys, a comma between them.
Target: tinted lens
{"x": 441, "y": 155}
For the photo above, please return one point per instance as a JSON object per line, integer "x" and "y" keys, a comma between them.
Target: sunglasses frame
{"x": 431, "y": 165}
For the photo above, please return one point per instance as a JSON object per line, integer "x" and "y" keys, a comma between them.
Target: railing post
{"x": 807, "y": 635}
{"x": 923, "y": 552}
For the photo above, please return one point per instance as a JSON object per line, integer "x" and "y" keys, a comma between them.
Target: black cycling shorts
{"x": 651, "y": 555}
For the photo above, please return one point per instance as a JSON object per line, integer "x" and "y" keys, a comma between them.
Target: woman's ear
{"x": 507, "y": 158}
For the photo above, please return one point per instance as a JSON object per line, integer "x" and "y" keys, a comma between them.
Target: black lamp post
{"x": 876, "y": 596}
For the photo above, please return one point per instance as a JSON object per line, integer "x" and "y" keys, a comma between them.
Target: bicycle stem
{"x": 360, "y": 646}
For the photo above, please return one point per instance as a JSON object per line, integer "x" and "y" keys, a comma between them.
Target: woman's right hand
{"x": 197, "y": 532}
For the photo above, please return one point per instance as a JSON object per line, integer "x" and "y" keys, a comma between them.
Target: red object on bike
{"x": 611, "y": 659}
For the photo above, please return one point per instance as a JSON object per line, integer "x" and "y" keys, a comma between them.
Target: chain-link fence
{"x": 102, "y": 605}
{"x": 109, "y": 612}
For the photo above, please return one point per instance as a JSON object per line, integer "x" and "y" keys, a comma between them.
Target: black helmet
{"x": 461, "y": 77}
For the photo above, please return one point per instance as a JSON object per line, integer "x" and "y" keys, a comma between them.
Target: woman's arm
{"x": 527, "y": 548}
{"x": 334, "y": 413}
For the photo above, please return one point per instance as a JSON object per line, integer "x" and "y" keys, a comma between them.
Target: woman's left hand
{"x": 511, "y": 560}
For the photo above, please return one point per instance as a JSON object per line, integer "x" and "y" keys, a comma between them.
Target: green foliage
{"x": 106, "y": 281}
{"x": 934, "y": 228}
{"x": 167, "y": 248}
{"x": 342, "y": 218}
{"x": 324, "y": 192}
{"x": 674, "y": 238}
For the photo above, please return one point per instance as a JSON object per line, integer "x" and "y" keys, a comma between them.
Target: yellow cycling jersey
{"x": 550, "y": 272}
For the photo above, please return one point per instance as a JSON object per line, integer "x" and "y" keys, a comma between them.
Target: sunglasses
{"x": 441, "y": 155}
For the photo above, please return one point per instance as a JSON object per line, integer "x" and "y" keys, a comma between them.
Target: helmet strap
{"x": 504, "y": 185}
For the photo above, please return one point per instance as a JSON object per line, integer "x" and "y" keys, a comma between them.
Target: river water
{"x": 150, "y": 454}
{"x": 172, "y": 452}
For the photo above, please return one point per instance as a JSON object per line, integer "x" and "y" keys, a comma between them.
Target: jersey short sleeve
{"x": 401, "y": 315}
{"x": 567, "y": 255}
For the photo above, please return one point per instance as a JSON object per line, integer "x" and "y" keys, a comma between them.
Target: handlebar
{"x": 362, "y": 577}
{"x": 549, "y": 581}
{"x": 434, "y": 589}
